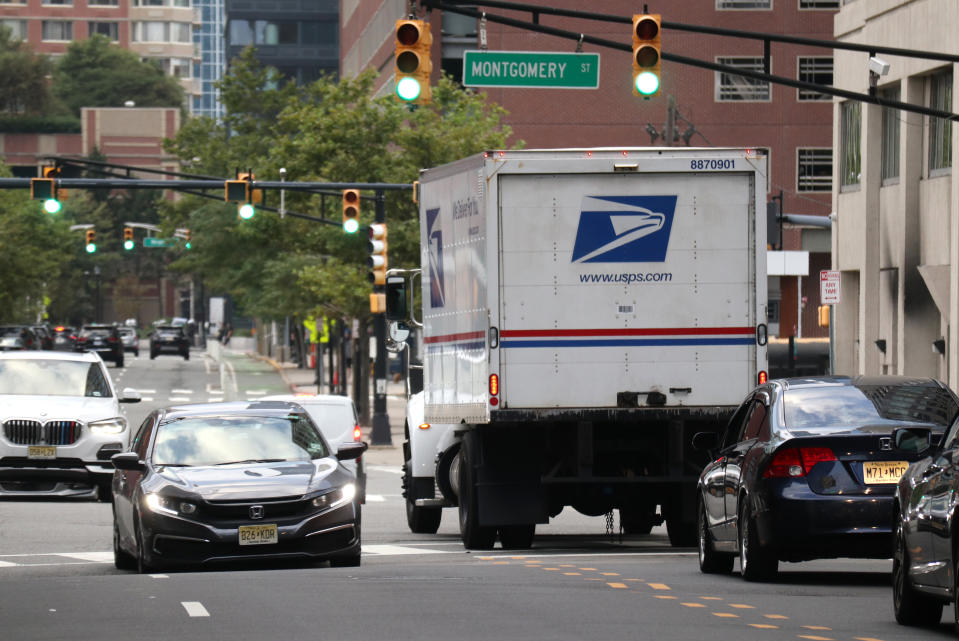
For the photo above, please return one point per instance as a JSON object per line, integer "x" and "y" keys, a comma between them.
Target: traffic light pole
{"x": 380, "y": 434}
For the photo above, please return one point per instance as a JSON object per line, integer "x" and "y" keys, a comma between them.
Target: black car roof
{"x": 854, "y": 381}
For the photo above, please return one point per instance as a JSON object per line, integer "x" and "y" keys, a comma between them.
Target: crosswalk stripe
{"x": 398, "y": 550}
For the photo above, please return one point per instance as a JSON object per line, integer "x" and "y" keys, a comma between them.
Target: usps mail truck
{"x": 585, "y": 312}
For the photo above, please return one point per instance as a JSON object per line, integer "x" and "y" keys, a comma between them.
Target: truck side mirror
{"x": 397, "y": 307}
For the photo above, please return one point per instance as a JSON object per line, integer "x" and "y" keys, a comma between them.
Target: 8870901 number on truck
{"x": 564, "y": 379}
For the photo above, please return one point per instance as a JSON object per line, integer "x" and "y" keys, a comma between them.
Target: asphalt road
{"x": 57, "y": 579}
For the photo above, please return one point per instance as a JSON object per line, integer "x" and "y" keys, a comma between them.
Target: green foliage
{"x": 23, "y": 78}
{"x": 94, "y": 73}
{"x": 38, "y": 124}
{"x": 328, "y": 131}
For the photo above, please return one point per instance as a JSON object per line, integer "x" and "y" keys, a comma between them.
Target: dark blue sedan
{"x": 808, "y": 467}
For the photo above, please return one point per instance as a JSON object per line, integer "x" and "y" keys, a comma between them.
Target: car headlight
{"x": 168, "y": 505}
{"x": 109, "y": 426}
{"x": 337, "y": 497}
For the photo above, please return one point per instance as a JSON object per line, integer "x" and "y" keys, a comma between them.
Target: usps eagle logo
{"x": 624, "y": 229}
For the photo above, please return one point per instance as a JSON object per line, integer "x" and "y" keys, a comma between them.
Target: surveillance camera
{"x": 878, "y": 66}
{"x": 282, "y": 171}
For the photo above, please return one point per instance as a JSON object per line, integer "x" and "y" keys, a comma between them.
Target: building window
{"x": 61, "y": 3}
{"x": 815, "y": 70}
{"x": 18, "y": 28}
{"x": 161, "y": 3}
{"x": 57, "y": 30}
{"x": 814, "y": 169}
{"x": 109, "y": 29}
{"x": 103, "y": 3}
{"x": 890, "y": 136}
{"x": 732, "y": 87}
{"x": 849, "y": 141}
{"x": 818, "y": 4}
{"x": 162, "y": 32}
{"x": 13, "y": 2}
{"x": 176, "y": 67}
{"x": 743, "y": 4}
{"x": 940, "y": 129}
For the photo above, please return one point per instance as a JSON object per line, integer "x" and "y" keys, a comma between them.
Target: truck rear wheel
{"x": 682, "y": 533}
{"x": 517, "y": 537}
{"x": 475, "y": 537}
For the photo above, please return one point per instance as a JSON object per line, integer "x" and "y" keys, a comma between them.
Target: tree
{"x": 24, "y": 89}
{"x": 95, "y": 73}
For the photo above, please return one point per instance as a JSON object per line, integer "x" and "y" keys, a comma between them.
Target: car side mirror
{"x": 351, "y": 450}
{"x": 912, "y": 439}
{"x": 705, "y": 441}
{"x": 397, "y": 307}
{"x": 128, "y": 461}
{"x": 130, "y": 395}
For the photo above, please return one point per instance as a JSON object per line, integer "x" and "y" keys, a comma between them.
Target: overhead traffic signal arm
{"x": 413, "y": 65}
{"x": 646, "y": 54}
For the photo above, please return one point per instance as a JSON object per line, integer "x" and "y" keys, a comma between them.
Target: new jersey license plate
{"x": 874, "y": 472}
{"x": 258, "y": 534}
{"x": 42, "y": 451}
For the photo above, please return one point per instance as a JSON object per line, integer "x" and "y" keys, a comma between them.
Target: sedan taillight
{"x": 796, "y": 462}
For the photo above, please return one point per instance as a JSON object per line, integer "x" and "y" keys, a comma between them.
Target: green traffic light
{"x": 350, "y": 225}
{"x": 247, "y": 211}
{"x": 647, "y": 83}
{"x": 91, "y": 248}
{"x": 408, "y": 89}
{"x": 128, "y": 245}
{"x": 51, "y": 206}
{"x": 189, "y": 245}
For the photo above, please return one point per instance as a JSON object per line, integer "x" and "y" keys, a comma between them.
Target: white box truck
{"x": 585, "y": 312}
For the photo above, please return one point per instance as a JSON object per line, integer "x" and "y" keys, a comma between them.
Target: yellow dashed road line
{"x": 726, "y": 615}
{"x": 620, "y": 586}
{"x": 659, "y": 586}
{"x": 694, "y": 605}
{"x": 573, "y": 573}
{"x": 815, "y": 627}
{"x": 813, "y": 637}
{"x": 711, "y": 598}
{"x": 664, "y": 596}
{"x": 742, "y": 606}
{"x": 775, "y": 616}
{"x": 764, "y": 626}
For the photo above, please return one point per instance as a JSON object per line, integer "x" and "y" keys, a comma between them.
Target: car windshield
{"x": 831, "y": 407}
{"x": 42, "y": 377}
{"x": 95, "y": 332}
{"x": 332, "y": 419}
{"x": 168, "y": 331}
{"x": 220, "y": 440}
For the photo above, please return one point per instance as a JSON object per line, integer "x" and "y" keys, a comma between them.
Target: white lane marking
{"x": 397, "y": 550}
{"x": 194, "y": 608}
{"x": 95, "y": 557}
{"x": 159, "y": 576}
{"x": 7, "y": 564}
{"x": 375, "y": 498}
{"x": 214, "y": 399}
{"x": 211, "y": 390}
{"x": 392, "y": 469}
{"x": 146, "y": 399}
{"x": 181, "y": 391}
{"x": 256, "y": 392}
{"x": 146, "y": 391}
{"x": 179, "y": 399}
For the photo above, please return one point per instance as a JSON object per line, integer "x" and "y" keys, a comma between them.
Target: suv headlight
{"x": 168, "y": 505}
{"x": 109, "y": 426}
{"x": 337, "y": 497}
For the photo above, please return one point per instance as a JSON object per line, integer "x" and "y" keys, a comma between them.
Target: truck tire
{"x": 682, "y": 533}
{"x": 517, "y": 537}
{"x": 638, "y": 520}
{"x": 422, "y": 520}
{"x": 475, "y": 537}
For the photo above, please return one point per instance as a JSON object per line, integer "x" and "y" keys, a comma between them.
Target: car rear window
{"x": 831, "y": 407}
{"x": 95, "y": 332}
{"x": 44, "y": 377}
{"x": 220, "y": 440}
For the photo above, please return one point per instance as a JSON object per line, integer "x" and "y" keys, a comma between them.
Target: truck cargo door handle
{"x": 762, "y": 334}
{"x": 493, "y": 338}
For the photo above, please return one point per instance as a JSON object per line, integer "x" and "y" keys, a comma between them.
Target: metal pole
{"x": 380, "y": 434}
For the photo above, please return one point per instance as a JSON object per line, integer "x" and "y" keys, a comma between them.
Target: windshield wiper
{"x": 173, "y": 465}
{"x": 255, "y": 460}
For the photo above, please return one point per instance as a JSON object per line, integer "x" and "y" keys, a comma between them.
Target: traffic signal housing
{"x": 91, "y": 245}
{"x": 351, "y": 210}
{"x": 377, "y": 260}
{"x": 186, "y": 237}
{"x": 646, "y": 54}
{"x": 241, "y": 191}
{"x": 128, "y": 242}
{"x": 45, "y": 189}
{"x": 412, "y": 61}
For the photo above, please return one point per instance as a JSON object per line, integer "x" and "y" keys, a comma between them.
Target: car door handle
{"x": 929, "y": 471}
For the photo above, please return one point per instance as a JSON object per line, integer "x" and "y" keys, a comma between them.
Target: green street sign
{"x": 158, "y": 242}
{"x": 531, "y": 69}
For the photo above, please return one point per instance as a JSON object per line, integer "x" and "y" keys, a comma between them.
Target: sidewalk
{"x": 302, "y": 381}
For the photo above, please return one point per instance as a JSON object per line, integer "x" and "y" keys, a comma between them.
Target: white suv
{"x": 60, "y": 422}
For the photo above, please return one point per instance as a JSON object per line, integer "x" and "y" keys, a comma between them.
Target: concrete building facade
{"x": 708, "y": 108}
{"x": 895, "y": 195}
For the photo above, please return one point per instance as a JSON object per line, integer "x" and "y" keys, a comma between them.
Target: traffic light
{"x": 241, "y": 191}
{"x": 45, "y": 189}
{"x": 646, "y": 54}
{"x": 128, "y": 243}
{"x": 377, "y": 260}
{"x": 91, "y": 241}
{"x": 186, "y": 238}
{"x": 412, "y": 61}
{"x": 351, "y": 210}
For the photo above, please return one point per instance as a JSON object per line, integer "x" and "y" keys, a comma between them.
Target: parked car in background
{"x": 169, "y": 339}
{"x": 925, "y": 558}
{"x": 808, "y": 469}
{"x": 130, "y": 340}
{"x": 64, "y": 338}
{"x": 44, "y": 336}
{"x": 102, "y": 339}
{"x": 17, "y": 337}
{"x": 337, "y": 420}
{"x": 233, "y": 481}
{"x": 61, "y": 421}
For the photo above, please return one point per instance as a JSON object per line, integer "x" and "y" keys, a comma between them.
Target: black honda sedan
{"x": 925, "y": 574}
{"x": 233, "y": 482}
{"x": 808, "y": 468}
